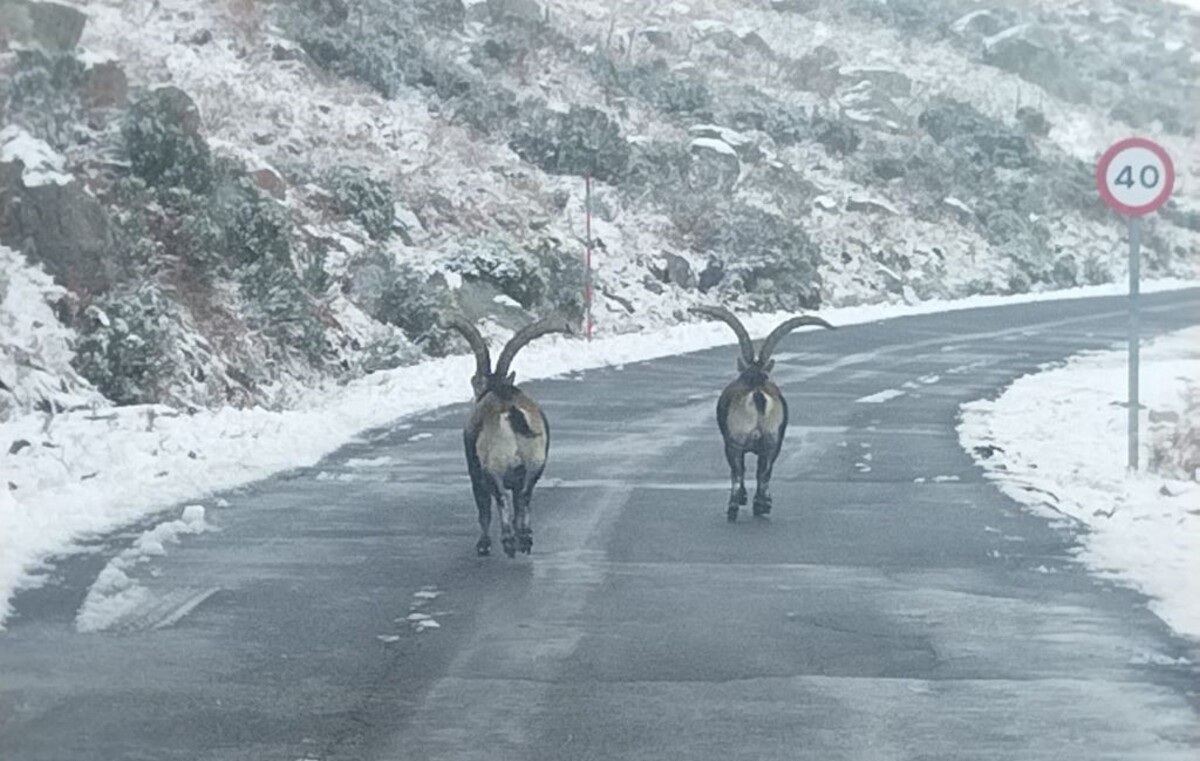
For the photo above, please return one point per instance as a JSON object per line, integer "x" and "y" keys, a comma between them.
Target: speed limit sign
{"x": 1135, "y": 176}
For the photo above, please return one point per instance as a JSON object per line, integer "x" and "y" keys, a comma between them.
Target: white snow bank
{"x": 1062, "y": 433}
{"x": 115, "y": 593}
{"x": 84, "y": 475}
{"x": 42, "y": 165}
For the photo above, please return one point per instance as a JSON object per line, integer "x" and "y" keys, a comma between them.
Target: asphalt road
{"x": 871, "y": 617}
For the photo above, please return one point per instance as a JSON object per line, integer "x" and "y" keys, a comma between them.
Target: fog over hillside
{"x": 219, "y": 202}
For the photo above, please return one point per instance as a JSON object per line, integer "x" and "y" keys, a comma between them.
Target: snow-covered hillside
{"x": 268, "y": 196}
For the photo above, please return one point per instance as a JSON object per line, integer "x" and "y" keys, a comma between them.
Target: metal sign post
{"x": 1135, "y": 261}
{"x": 1134, "y": 177}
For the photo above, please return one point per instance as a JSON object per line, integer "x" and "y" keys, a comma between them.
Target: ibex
{"x": 507, "y": 437}
{"x": 752, "y": 413}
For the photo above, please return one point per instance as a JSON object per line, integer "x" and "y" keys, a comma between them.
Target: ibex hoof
{"x": 731, "y": 514}
{"x": 762, "y": 506}
{"x": 510, "y": 546}
{"x": 525, "y": 542}
{"x": 483, "y": 547}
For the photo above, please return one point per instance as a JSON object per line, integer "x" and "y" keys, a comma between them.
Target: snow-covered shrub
{"x": 163, "y": 140}
{"x": 234, "y": 225}
{"x": 1175, "y": 446}
{"x": 583, "y": 138}
{"x": 838, "y": 137}
{"x": 136, "y": 346}
{"x": 395, "y": 293}
{"x": 772, "y": 258}
{"x": 653, "y": 83}
{"x": 278, "y": 307}
{"x": 42, "y": 95}
{"x": 748, "y": 108}
{"x": 411, "y": 301}
{"x": 540, "y": 276}
{"x": 562, "y": 278}
{"x": 368, "y": 201}
{"x": 659, "y": 166}
{"x": 510, "y": 271}
{"x": 975, "y": 139}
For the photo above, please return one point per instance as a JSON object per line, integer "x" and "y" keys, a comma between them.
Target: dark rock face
{"x": 529, "y": 11}
{"x": 269, "y": 180}
{"x": 448, "y": 14}
{"x": 53, "y": 27}
{"x": 1030, "y": 52}
{"x": 712, "y": 274}
{"x": 104, "y": 86}
{"x": 679, "y": 271}
{"x": 715, "y": 166}
{"x": 889, "y": 169}
{"x": 1033, "y": 121}
{"x": 60, "y": 226}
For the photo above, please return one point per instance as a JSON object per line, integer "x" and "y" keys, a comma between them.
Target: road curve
{"x": 895, "y": 605}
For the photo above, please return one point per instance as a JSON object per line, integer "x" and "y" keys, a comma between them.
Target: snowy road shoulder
{"x": 1056, "y": 441}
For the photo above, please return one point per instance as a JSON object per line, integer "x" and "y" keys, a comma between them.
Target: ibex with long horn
{"x": 507, "y": 437}
{"x": 752, "y": 413}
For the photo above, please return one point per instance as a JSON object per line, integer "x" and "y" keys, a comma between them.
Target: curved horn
{"x": 787, "y": 326}
{"x": 724, "y": 315}
{"x": 524, "y": 336}
{"x": 483, "y": 358}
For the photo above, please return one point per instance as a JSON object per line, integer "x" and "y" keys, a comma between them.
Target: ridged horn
{"x": 727, "y": 317}
{"x": 524, "y": 336}
{"x": 787, "y": 326}
{"x": 483, "y": 358}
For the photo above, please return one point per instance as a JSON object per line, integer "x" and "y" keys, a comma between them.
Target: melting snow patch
{"x": 115, "y": 593}
{"x": 944, "y": 479}
{"x": 882, "y": 396}
{"x": 368, "y": 462}
{"x": 420, "y": 436}
{"x": 42, "y": 165}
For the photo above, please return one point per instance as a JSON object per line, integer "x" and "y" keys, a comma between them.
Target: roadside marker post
{"x": 587, "y": 255}
{"x": 1134, "y": 177}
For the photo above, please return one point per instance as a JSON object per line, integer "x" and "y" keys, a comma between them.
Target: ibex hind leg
{"x": 483, "y": 502}
{"x": 737, "y": 476}
{"x": 523, "y": 500}
{"x": 762, "y": 491}
{"x": 508, "y": 538}
{"x": 524, "y": 529}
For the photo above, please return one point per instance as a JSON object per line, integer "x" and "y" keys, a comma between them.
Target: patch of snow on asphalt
{"x": 115, "y": 593}
{"x": 84, "y": 474}
{"x": 1056, "y": 441}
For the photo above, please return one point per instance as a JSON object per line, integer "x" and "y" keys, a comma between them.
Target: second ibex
{"x": 507, "y": 437}
{"x": 752, "y": 413}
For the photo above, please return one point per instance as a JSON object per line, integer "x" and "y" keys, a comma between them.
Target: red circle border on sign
{"x": 1102, "y": 173}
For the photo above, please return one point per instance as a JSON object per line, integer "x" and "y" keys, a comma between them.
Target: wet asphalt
{"x": 894, "y": 606}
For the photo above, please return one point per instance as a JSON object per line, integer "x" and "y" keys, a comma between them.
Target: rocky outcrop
{"x": 1030, "y": 52}
{"x": 53, "y": 27}
{"x": 60, "y": 226}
